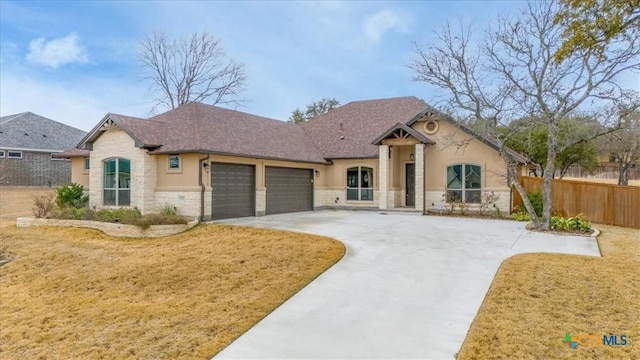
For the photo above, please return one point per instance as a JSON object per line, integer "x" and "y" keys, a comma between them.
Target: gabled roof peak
{"x": 31, "y": 131}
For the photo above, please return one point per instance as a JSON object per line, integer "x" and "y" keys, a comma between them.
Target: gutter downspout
{"x": 202, "y": 185}
{"x": 424, "y": 182}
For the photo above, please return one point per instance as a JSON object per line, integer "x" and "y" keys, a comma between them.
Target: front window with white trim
{"x": 117, "y": 182}
{"x": 174, "y": 162}
{"x": 464, "y": 183}
{"x": 360, "y": 183}
{"x": 14, "y": 154}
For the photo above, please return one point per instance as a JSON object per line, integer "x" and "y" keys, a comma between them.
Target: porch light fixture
{"x": 412, "y": 157}
{"x": 317, "y": 173}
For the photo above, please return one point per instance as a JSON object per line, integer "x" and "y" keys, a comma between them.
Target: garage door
{"x": 288, "y": 190}
{"x": 234, "y": 190}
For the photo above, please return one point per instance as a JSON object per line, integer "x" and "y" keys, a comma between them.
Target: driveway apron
{"x": 408, "y": 286}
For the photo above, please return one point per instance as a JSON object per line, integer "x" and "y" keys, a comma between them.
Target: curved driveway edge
{"x": 408, "y": 286}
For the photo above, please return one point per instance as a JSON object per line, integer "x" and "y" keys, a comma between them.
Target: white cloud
{"x": 376, "y": 25}
{"x": 57, "y": 52}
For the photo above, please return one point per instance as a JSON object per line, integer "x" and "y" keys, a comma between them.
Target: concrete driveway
{"x": 409, "y": 285}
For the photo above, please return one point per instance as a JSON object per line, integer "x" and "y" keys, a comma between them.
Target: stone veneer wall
{"x": 116, "y": 143}
{"x": 187, "y": 202}
{"x": 326, "y": 197}
{"x": 261, "y": 202}
{"x": 435, "y": 198}
{"x": 120, "y": 230}
{"x": 393, "y": 198}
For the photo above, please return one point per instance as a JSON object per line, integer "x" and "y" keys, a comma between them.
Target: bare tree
{"x": 194, "y": 68}
{"x": 624, "y": 145}
{"x": 511, "y": 74}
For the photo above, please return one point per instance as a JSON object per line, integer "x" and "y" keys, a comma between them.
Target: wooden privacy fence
{"x": 600, "y": 203}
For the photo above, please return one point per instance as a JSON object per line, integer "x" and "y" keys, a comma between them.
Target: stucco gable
{"x": 432, "y": 113}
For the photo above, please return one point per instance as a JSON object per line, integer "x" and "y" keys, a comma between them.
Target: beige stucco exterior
{"x": 454, "y": 146}
{"x": 78, "y": 173}
{"x": 154, "y": 184}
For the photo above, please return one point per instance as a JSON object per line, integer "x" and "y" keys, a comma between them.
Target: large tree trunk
{"x": 547, "y": 179}
{"x": 512, "y": 178}
{"x": 623, "y": 177}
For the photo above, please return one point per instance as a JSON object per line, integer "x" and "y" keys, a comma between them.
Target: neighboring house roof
{"x": 29, "y": 131}
{"x": 348, "y": 131}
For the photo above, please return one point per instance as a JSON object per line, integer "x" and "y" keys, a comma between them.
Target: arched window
{"x": 117, "y": 182}
{"x": 464, "y": 183}
{"x": 360, "y": 183}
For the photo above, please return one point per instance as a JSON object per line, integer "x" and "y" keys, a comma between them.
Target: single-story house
{"x": 28, "y": 144}
{"x": 218, "y": 163}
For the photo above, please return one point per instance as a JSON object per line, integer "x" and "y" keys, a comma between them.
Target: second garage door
{"x": 234, "y": 190}
{"x": 288, "y": 190}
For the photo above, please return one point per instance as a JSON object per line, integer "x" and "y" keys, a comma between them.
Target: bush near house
{"x": 71, "y": 195}
{"x": 485, "y": 208}
{"x": 575, "y": 223}
{"x": 71, "y": 204}
{"x": 521, "y": 214}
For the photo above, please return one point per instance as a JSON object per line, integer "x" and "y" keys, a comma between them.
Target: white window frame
{"x": 2, "y": 154}
{"x": 173, "y": 169}
{"x": 360, "y": 188}
{"x": 117, "y": 187}
{"x": 15, "y": 152}
{"x": 53, "y": 158}
{"x": 84, "y": 164}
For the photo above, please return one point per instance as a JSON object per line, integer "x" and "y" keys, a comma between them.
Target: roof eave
{"x": 213, "y": 152}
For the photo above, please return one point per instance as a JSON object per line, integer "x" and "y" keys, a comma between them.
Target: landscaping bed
{"x": 69, "y": 207}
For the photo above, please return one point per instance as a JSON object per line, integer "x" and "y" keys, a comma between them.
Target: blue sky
{"x": 74, "y": 61}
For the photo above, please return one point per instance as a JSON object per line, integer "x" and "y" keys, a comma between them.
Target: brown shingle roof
{"x": 347, "y": 131}
{"x": 73, "y": 152}
{"x": 149, "y": 133}
{"x": 196, "y": 127}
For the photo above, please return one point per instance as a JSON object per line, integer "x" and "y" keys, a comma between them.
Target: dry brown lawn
{"x": 536, "y": 298}
{"x": 77, "y": 293}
